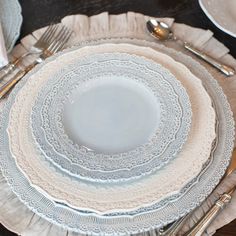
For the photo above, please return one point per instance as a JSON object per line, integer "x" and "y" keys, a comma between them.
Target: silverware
{"x": 42, "y": 43}
{"x": 161, "y": 31}
{"x": 58, "y": 42}
{"x": 201, "y": 226}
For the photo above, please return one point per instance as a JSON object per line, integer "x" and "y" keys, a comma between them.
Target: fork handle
{"x": 17, "y": 77}
{"x": 9, "y": 68}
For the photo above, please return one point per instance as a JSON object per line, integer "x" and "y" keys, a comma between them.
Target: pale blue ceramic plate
{"x": 111, "y": 117}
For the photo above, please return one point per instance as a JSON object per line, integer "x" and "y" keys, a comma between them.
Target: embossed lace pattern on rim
{"x": 163, "y": 146}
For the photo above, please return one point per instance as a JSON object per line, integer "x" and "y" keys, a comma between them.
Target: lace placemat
{"x": 14, "y": 215}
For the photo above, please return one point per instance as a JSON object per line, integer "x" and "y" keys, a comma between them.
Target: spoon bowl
{"x": 159, "y": 30}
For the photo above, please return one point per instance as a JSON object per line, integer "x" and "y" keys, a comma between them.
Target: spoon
{"x": 162, "y": 31}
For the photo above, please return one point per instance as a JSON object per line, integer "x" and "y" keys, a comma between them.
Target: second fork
{"x": 58, "y": 42}
{"x": 42, "y": 43}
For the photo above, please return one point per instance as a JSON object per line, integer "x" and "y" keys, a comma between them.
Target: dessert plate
{"x": 111, "y": 117}
{"x": 170, "y": 206}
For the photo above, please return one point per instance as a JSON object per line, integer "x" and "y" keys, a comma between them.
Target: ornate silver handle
{"x": 6, "y": 70}
{"x": 17, "y": 77}
{"x": 9, "y": 68}
{"x": 228, "y": 71}
{"x": 200, "y": 227}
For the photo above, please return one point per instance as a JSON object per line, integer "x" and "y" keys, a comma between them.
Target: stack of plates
{"x": 114, "y": 139}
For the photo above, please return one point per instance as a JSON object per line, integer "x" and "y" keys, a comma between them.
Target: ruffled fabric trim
{"x": 17, "y": 217}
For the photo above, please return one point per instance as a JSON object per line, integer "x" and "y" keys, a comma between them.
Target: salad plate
{"x": 111, "y": 117}
{"x": 181, "y": 196}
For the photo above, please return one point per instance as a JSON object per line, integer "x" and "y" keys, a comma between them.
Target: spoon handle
{"x": 228, "y": 71}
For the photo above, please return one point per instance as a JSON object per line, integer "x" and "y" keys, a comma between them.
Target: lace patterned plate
{"x": 152, "y": 217}
{"x": 10, "y": 20}
{"x": 111, "y": 117}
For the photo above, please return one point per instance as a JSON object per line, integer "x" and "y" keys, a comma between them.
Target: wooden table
{"x": 39, "y": 13}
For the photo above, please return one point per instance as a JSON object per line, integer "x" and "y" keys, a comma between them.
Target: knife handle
{"x": 201, "y": 226}
{"x": 228, "y": 71}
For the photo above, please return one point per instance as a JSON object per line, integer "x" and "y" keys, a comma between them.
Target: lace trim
{"x": 48, "y": 127}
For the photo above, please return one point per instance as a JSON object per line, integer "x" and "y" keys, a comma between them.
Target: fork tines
{"x": 59, "y": 38}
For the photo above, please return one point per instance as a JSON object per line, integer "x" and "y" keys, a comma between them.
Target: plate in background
{"x": 222, "y": 14}
{"x": 11, "y": 20}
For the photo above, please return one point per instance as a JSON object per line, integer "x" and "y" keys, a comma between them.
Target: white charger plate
{"x": 178, "y": 205}
{"x": 111, "y": 117}
{"x": 222, "y": 13}
{"x": 10, "y": 20}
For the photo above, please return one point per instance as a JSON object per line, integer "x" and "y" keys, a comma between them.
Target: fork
{"x": 42, "y": 43}
{"x": 58, "y": 42}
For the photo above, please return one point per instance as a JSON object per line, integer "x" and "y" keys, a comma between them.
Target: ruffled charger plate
{"x": 111, "y": 117}
{"x": 146, "y": 200}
